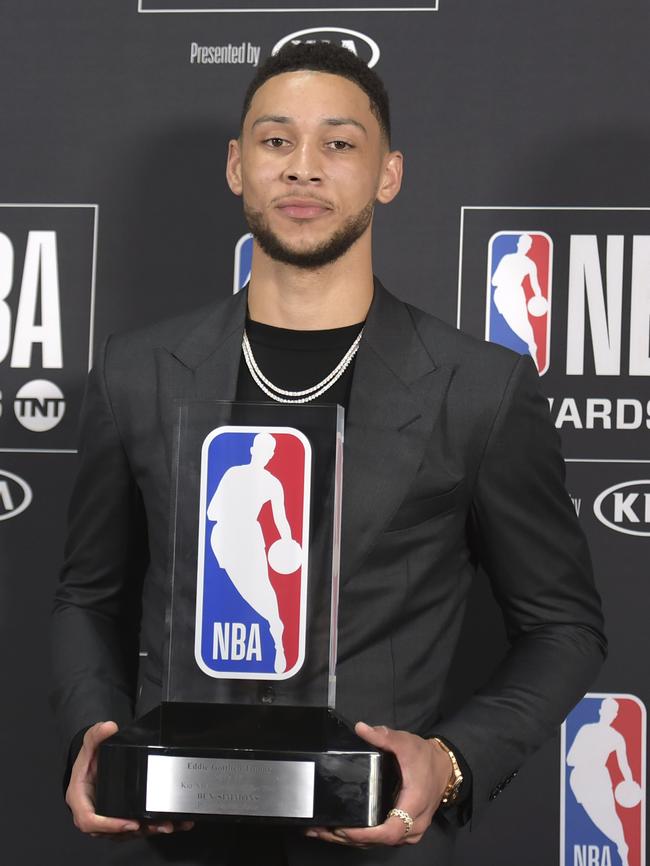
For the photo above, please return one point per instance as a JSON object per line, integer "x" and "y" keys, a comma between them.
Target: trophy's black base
{"x": 300, "y": 766}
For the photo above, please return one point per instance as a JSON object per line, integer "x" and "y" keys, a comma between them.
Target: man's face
{"x": 310, "y": 164}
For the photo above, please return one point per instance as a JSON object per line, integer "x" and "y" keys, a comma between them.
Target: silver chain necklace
{"x": 280, "y": 395}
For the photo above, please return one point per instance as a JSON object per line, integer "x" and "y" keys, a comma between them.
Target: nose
{"x": 303, "y": 165}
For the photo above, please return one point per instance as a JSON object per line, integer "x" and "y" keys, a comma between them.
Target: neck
{"x": 334, "y": 296}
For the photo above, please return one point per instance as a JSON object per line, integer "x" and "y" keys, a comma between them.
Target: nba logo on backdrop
{"x": 243, "y": 262}
{"x": 518, "y": 297}
{"x": 603, "y": 782}
{"x": 253, "y": 553}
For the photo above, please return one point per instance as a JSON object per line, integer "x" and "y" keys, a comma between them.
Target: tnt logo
{"x": 39, "y": 405}
{"x": 603, "y": 782}
{"x": 243, "y": 262}
{"x": 518, "y": 303}
{"x": 253, "y": 553}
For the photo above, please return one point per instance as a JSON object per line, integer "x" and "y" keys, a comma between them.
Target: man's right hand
{"x": 80, "y": 795}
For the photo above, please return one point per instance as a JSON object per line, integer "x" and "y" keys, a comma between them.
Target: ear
{"x": 233, "y": 166}
{"x": 391, "y": 177}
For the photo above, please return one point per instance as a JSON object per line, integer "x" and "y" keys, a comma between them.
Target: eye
{"x": 340, "y": 145}
{"x": 274, "y": 142}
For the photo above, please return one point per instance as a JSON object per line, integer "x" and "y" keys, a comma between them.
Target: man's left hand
{"x": 426, "y": 771}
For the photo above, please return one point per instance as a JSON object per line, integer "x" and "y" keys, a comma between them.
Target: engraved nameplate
{"x": 223, "y": 786}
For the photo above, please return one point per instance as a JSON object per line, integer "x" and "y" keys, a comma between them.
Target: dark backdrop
{"x": 114, "y": 212}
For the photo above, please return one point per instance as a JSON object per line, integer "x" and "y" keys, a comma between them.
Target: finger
{"x": 334, "y": 836}
{"x": 393, "y": 829}
{"x": 184, "y": 826}
{"x": 379, "y": 736}
{"x": 81, "y": 790}
{"x": 98, "y": 733}
{"x": 149, "y": 830}
{"x": 391, "y": 832}
{"x": 167, "y": 827}
{"x": 161, "y": 827}
{"x": 94, "y": 736}
{"x": 87, "y": 821}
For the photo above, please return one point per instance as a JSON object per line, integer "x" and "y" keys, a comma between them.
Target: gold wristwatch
{"x": 451, "y": 791}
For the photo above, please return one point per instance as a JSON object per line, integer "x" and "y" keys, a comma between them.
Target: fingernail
{"x": 340, "y": 834}
{"x": 130, "y": 827}
{"x": 312, "y": 834}
{"x": 163, "y": 829}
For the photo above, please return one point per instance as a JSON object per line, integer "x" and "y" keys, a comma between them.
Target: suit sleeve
{"x": 97, "y": 603}
{"x": 532, "y": 548}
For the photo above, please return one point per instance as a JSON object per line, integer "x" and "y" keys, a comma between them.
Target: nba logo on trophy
{"x": 603, "y": 782}
{"x": 518, "y": 296}
{"x": 253, "y": 553}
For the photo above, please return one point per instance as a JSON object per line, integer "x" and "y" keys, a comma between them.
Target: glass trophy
{"x": 247, "y": 729}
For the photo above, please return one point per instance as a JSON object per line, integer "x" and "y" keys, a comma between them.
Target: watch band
{"x": 451, "y": 791}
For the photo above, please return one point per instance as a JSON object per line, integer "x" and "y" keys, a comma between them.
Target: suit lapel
{"x": 204, "y": 365}
{"x": 397, "y": 392}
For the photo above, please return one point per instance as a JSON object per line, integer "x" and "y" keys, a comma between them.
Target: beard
{"x": 317, "y": 256}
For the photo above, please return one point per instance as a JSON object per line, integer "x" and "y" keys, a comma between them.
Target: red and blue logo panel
{"x": 518, "y": 296}
{"x": 253, "y": 552}
{"x": 603, "y": 782}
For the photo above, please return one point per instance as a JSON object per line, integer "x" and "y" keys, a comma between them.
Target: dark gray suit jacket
{"x": 450, "y": 460}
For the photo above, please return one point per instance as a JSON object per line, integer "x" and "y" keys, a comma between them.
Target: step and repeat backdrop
{"x": 527, "y": 142}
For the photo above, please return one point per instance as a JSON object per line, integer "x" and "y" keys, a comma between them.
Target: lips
{"x": 302, "y": 208}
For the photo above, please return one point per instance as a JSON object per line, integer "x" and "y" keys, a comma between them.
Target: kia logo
{"x": 15, "y": 495}
{"x": 624, "y": 508}
{"x": 358, "y": 43}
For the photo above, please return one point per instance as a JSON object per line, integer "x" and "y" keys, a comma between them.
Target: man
{"x": 450, "y": 461}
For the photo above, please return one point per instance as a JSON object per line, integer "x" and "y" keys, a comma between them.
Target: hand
{"x": 80, "y": 795}
{"x": 426, "y": 771}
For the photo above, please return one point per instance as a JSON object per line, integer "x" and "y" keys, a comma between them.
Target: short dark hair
{"x": 324, "y": 57}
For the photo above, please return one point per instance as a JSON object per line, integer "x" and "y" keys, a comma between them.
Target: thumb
{"x": 98, "y": 733}
{"x": 379, "y": 736}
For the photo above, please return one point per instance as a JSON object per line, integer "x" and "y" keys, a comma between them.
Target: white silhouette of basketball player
{"x": 237, "y": 540}
{"x": 509, "y": 294}
{"x": 590, "y": 780}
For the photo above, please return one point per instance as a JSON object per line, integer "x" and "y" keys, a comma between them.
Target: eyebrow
{"x": 271, "y": 118}
{"x": 345, "y": 121}
{"x": 328, "y": 121}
